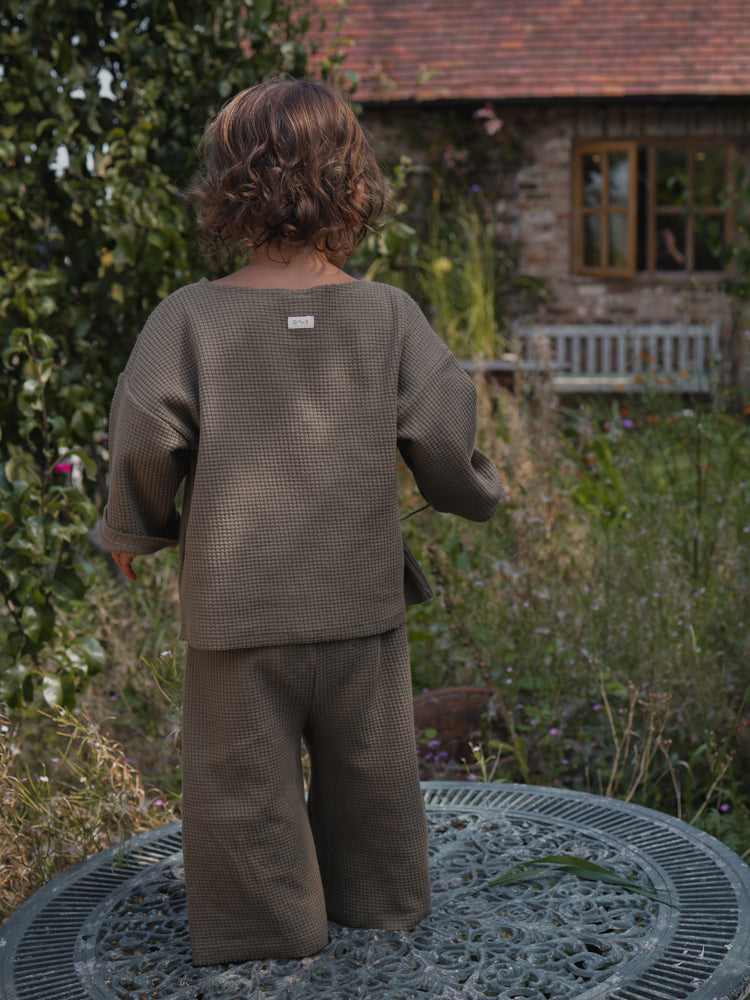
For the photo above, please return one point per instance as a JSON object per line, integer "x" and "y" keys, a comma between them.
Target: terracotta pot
{"x": 455, "y": 714}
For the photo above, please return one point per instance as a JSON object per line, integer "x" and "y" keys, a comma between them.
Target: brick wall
{"x": 534, "y": 205}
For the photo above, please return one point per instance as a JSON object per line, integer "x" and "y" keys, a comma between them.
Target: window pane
{"x": 619, "y": 179}
{"x": 670, "y": 243}
{"x": 710, "y": 166}
{"x": 592, "y": 241}
{"x": 671, "y": 176}
{"x": 709, "y": 236}
{"x": 618, "y": 240}
{"x": 592, "y": 179}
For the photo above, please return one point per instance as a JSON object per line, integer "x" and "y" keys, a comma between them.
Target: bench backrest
{"x": 602, "y": 357}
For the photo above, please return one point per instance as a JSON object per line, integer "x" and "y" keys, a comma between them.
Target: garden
{"x": 603, "y": 609}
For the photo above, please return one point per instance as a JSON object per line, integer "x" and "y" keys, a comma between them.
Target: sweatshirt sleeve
{"x": 437, "y": 426}
{"x": 152, "y": 435}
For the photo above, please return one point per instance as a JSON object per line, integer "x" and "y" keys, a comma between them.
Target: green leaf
{"x": 52, "y": 690}
{"x": 94, "y": 653}
{"x": 569, "y": 864}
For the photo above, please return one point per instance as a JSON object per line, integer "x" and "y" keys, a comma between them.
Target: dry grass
{"x": 85, "y": 797}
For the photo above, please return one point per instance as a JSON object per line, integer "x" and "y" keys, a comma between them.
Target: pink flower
{"x": 63, "y": 467}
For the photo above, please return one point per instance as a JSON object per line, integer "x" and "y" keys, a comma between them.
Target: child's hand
{"x": 124, "y": 561}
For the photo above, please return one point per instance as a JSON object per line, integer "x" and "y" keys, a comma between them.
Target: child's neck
{"x": 294, "y": 268}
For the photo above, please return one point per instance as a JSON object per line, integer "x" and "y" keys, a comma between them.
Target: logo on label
{"x": 300, "y": 322}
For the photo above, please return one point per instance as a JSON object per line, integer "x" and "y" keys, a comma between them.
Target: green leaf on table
{"x": 568, "y": 864}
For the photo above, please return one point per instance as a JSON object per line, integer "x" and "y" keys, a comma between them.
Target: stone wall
{"x": 534, "y": 203}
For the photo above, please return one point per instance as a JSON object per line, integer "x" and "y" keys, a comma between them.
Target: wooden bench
{"x": 610, "y": 358}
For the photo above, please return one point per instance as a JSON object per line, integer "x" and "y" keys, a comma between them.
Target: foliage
{"x": 734, "y": 254}
{"x": 61, "y": 810}
{"x": 104, "y": 102}
{"x": 446, "y": 242}
{"x": 456, "y": 273}
{"x": 605, "y": 604}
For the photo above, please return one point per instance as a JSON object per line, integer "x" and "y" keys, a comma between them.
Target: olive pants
{"x": 264, "y": 871}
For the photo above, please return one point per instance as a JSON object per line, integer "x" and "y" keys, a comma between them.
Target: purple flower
{"x": 628, "y": 423}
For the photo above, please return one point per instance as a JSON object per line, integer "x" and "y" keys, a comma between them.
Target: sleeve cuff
{"x": 138, "y": 545}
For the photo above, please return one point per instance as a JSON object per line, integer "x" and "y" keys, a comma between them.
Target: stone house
{"x": 630, "y": 116}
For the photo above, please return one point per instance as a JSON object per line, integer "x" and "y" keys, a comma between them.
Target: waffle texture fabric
{"x": 264, "y": 872}
{"x": 283, "y": 411}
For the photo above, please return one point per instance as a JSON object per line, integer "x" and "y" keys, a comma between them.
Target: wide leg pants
{"x": 264, "y": 871}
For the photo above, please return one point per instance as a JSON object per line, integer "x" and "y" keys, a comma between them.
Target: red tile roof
{"x": 515, "y": 49}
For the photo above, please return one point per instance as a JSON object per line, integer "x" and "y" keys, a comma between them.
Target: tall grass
{"x": 606, "y": 603}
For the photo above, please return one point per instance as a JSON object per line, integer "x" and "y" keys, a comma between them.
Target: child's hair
{"x": 285, "y": 163}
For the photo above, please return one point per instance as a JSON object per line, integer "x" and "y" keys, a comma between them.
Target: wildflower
{"x": 724, "y": 807}
{"x": 472, "y": 777}
{"x": 63, "y": 467}
{"x": 490, "y": 122}
{"x": 597, "y": 707}
{"x": 441, "y": 266}
{"x": 44, "y": 778}
{"x": 554, "y": 731}
{"x": 628, "y": 423}
{"x": 158, "y": 802}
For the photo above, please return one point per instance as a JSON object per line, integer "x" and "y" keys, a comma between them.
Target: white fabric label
{"x": 300, "y": 322}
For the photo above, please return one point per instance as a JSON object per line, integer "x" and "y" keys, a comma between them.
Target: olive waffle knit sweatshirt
{"x": 283, "y": 411}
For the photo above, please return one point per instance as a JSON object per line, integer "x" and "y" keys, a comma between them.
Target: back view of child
{"x": 281, "y": 395}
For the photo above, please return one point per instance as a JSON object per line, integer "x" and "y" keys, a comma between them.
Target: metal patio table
{"x": 115, "y": 926}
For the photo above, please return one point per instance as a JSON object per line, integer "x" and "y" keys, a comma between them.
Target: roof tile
{"x": 517, "y": 49}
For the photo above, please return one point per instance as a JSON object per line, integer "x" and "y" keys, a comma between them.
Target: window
{"x": 655, "y": 207}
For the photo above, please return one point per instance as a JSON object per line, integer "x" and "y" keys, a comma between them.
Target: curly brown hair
{"x": 286, "y": 164}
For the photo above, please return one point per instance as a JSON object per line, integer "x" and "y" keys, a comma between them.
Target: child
{"x": 280, "y": 395}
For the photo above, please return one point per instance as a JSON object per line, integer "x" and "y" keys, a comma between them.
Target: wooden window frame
{"x": 649, "y": 147}
{"x": 604, "y": 210}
